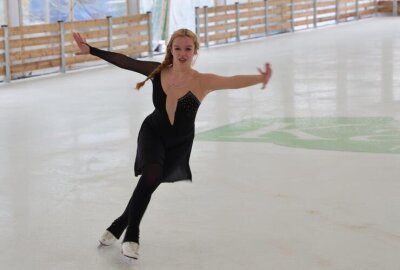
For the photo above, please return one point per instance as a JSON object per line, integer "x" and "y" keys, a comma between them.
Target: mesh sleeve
{"x": 125, "y": 62}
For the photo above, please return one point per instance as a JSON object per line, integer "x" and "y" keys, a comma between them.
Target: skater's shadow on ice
{"x": 112, "y": 255}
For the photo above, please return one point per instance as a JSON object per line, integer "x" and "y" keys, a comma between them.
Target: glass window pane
{"x": 36, "y": 11}
{"x": 33, "y": 11}
{"x": 97, "y": 9}
{"x": 116, "y": 8}
{"x": 59, "y": 10}
{"x": 2, "y": 13}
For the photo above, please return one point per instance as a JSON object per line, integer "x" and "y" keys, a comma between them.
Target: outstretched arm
{"x": 212, "y": 82}
{"x": 120, "y": 60}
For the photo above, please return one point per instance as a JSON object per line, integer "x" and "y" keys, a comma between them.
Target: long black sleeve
{"x": 125, "y": 62}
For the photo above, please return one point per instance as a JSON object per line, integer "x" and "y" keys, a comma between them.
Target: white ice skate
{"x": 107, "y": 239}
{"x": 130, "y": 250}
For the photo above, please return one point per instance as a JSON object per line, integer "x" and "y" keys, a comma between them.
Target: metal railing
{"x": 236, "y": 22}
{"x": 50, "y": 48}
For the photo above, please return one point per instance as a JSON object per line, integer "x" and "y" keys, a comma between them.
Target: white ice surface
{"x": 68, "y": 142}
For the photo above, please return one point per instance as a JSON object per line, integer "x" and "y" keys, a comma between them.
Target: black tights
{"x": 130, "y": 219}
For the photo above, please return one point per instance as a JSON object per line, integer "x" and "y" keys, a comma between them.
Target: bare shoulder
{"x": 198, "y": 83}
{"x": 203, "y": 77}
{"x": 204, "y": 80}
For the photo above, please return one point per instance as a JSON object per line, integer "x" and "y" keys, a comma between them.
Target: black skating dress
{"x": 159, "y": 140}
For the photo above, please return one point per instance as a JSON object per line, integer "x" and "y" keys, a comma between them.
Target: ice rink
{"x": 302, "y": 176}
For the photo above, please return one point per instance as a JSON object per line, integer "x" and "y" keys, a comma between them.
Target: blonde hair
{"x": 168, "y": 60}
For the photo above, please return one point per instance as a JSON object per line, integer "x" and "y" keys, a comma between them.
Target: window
{"x": 3, "y": 15}
{"x": 96, "y": 9}
{"x": 59, "y": 10}
{"x": 33, "y": 11}
{"x": 50, "y": 11}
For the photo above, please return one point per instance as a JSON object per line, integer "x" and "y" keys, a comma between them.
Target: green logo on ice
{"x": 363, "y": 134}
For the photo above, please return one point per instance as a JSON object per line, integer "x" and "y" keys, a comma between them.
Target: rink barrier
{"x": 109, "y": 32}
{"x": 6, "y": 55}
{"x": 388, "y": 7}
{"x": 240, "y": 21}
{"x": 62, "y": 48}
{"x": 48, "y": 48}
{"x": 150, "y": 33}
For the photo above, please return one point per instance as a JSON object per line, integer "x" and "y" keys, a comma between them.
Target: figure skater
{"x": 166, "y": 136}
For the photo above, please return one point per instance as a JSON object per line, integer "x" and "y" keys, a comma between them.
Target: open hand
{"x": 266, "y": 74}
{"x": 81, "y": 42}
